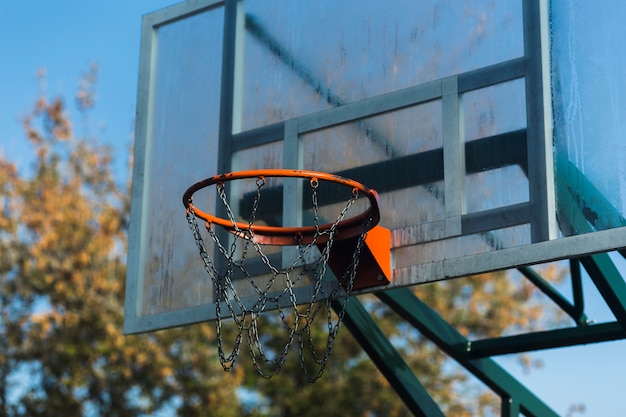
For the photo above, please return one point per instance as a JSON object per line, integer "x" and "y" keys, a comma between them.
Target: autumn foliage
{"x": 62, "y": 257}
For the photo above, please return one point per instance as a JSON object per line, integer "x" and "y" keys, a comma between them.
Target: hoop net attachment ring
{"x": 285, "y": 236}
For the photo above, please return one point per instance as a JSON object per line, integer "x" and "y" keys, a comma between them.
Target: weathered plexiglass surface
{"x": 589, "y": 93}
{"x": 183, "y": 103}
{"x": 299, "y": 57}
{"x": 492, "y": 133}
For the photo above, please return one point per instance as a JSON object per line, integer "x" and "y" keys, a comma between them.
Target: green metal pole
{"x": 510, "y": 408}
{"x": 387, "y": 359}
{"x": 577, "y": 291}
{"x": 547, "y": 339}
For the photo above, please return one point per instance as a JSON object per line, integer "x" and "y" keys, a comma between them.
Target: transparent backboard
{"x": 486, "y": 127}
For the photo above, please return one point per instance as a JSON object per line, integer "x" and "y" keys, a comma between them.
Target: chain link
{"x": 296, "y": 316}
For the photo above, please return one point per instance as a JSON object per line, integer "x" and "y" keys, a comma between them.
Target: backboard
{"x": 469, "y": 120}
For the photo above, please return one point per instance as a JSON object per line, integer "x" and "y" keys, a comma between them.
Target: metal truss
{"x": 476, "y": 355}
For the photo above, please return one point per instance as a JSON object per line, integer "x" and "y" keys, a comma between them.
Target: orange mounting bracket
{"x": 374, "y": 268}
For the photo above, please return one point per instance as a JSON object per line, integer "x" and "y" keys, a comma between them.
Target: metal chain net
{"x": 297, "y": 317}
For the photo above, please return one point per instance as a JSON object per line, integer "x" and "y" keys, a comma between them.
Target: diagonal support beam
{"x": 544, "y": 286}
{"x": 609, "y": 282}
{"x": 387, "y": 359}
{"x": 432, "y": 326}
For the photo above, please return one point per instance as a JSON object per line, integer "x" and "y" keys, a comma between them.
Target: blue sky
{"x": 66, "y": 36}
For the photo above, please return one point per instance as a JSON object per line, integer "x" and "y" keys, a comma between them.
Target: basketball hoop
{"x": 284, "y": 236}
{"x": 314, "y": 243}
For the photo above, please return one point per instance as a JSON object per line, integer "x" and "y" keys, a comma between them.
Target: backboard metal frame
{"x": 530, "y": 148}
{"x": 133, "y": 319}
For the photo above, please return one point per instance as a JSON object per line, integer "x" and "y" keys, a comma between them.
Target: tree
{"x": 62, "y": 268}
